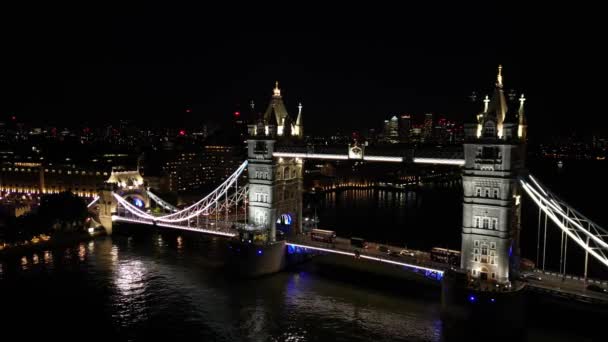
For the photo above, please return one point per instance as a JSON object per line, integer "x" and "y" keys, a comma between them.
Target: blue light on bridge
{"x": 138, "y": 202}
{"x": 492, "y": 300}
{"x": 259, "y": 252}
{"x": 472, "y": 299}
{"x": 284, "y": 219}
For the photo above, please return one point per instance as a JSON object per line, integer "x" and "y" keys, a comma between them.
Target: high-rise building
{"x": 386, "y": 128}
{"x": 427, "y": 131}
{"x": 405, "y": 124}
{"x": 394, "y": 128}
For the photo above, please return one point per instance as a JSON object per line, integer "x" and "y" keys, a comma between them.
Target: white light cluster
{"x": 383, "y": 159}
{"x": 459, "y": 162}
{"x": 310, "y": 155}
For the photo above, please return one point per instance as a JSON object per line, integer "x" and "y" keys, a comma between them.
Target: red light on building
{"x": 237, "y": 113}
{"x": 182, "y": 132}
{"x": 188, "y": 110}
{"x": 13, "y": 118}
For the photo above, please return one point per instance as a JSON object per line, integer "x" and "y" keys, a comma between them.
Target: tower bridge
{"x": 494, "y": 176}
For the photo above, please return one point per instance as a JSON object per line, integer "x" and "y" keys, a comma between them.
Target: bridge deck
{"x": 564, "y": 286}
{"x": 421, "y": 261}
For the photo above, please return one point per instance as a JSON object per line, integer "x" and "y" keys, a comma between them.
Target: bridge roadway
{"x": 420, "y": 261}
{"x": 567, "y": 287}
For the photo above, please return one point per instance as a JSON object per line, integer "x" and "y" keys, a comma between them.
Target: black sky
{"x": 350, "y": 70}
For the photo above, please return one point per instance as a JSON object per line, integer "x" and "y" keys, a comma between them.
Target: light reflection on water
{"x": 144, "y": 294}
{"x": 180, "y": 297}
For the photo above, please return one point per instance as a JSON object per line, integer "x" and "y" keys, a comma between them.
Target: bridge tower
{"x": 107, "y": 206}
{"x": 275, "y": 184}
{"x": 494, "y": 153}
{"x": 127, "y": 184}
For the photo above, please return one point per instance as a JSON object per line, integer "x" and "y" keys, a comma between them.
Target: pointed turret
{"x": 272, "y": 126}
{"x": 299, "y": 123}
{"x": 287, "y": 126}
{"x": 495, "y": 111}
{"x": 251, "y": 119}
{"x": 521, "y": 118}
{"x": 260, "y": 130}
{"x": 276, "y": 108}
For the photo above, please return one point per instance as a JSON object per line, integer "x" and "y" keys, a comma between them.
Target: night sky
{"x": 350, "y": 70}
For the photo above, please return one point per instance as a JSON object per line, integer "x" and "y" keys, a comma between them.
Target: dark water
{"x": 170, "y": 286}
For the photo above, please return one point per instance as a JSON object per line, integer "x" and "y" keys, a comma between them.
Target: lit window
{"x": 476, "y": 222}
{"x": 486, "y": 223}
{"x": 478, "y": 192}
{"x": 495, "y": 192}
{"x": 484, "y": 250}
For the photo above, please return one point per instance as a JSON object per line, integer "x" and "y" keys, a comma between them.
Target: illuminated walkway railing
{"x": 162, "y": 203}
{"x": 586, "y": 233}
{"x": 202, "y": 207}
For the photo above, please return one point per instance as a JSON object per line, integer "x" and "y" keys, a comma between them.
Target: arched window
{"x": 489, "y": 129}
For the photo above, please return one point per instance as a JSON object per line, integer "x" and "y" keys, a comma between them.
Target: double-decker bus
{"x": 323, "y": 235}
{"x": 446, "y": 256}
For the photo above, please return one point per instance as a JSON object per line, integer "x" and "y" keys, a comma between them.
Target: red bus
{"x": 323, "y": 235}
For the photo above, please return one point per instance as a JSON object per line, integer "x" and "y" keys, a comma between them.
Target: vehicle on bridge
{"x": 322, "y": 235}
{"x": 597, "y": 288}
{"x": 385, "y": 249}
{"x": 407, "y": 252}
{"x": 358, "y": 242}
{"x": 530, "y": 276}
{"x": 446, "y": 256}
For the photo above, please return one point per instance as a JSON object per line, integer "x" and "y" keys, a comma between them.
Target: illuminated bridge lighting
{"x": 416, "y": 267}
{"x": 384, "y": 159}
{"x": 459, "y": 162}
{"x": 310, "y": 155}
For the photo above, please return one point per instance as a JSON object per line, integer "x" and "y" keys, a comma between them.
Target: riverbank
{"x": 56, "y": 241}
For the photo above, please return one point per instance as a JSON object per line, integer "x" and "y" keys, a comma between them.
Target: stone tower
{"x": 275, "y": 184}
{"x": 494, "y": 153}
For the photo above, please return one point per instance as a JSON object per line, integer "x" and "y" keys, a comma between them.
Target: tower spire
{"x": 486, "y": 101}
{"x": 499, "y": 76}
{"x": 276, "y": 91}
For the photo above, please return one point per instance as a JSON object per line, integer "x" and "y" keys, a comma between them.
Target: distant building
{"x": 405, "y": 124}
{"x": 427, "y": 132}
{"x": 199, "y": 171}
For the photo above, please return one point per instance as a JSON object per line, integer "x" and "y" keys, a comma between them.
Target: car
{"x": 406, "y": 252}
{"x": 384, "y": 249}
{"x": 596, "y": 288}
{"x": 530, "y": 276}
